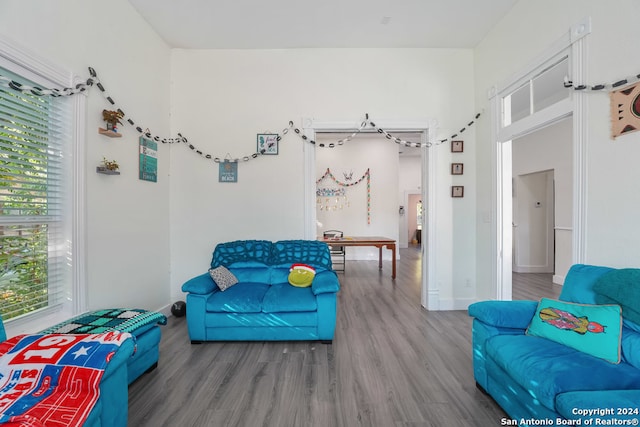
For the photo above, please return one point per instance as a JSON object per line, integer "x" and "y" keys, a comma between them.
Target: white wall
{"x": 222, "y": 98}
{"x": 612, "y": 234}
{"x": 127, "y": 219}
{"x": 367, "y": 151}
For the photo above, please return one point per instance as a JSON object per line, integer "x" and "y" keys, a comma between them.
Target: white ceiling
{"x": 282, "y": 24}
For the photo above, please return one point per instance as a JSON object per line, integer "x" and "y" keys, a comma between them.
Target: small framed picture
{"x": 228, "y": 171}
{"x": 268, "y": 143}
{"x": 457, "y": 191}
{"x": 457, "y": 168}
{"x": 457, "y": 146}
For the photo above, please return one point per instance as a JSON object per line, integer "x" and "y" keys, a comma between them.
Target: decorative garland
{"x": 366, "y": 175}
{"x": 94, "y": 80}
{"x": 569, "y": 84}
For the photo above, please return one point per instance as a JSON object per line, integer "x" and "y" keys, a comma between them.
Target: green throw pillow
{"x": 301, "y": 275}
{"x": 592, "y": 329}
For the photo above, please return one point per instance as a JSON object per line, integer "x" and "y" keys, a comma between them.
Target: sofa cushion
{"x": 630, "y": 345}
{"x": 241, "y": 250}
{"x": 310, "y": 252}
{"x": 241, "y": 298}
{"x": 223, "y": 277}
{"x": 284, "y": 298}
{"x": 615, "y": 407}
{"x": 546, "y": 368}
{"x": 201, "y": 285}
{"x": 504, "y": 314}
{"x": 251, "y": 272}
{"x": 620, "y": 287}
{"x": 593, "y": 329}
{"x": 579, "y": 282}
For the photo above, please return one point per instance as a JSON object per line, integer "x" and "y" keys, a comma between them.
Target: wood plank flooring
{"x": 392, "y": 363}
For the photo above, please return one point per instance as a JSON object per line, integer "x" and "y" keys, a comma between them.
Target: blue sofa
{"x": 535, "y": 378}
{"x": 263, "y": 306}
{"x": 111, "y": 408}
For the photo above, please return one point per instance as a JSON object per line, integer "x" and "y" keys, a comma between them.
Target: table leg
{"x": 380, "y": 257}
{"x": 393, "y": 261}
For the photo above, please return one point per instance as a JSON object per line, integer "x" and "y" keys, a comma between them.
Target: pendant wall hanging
{"x": 332, "y": 199}
{"x": 327, "y": 194}
{"x": 625, "y": 110}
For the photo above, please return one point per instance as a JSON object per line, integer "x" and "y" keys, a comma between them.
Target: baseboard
{"x": 558, "y": 280}
{"x": 166, "y": 310}
{"x": 456, "y": 304}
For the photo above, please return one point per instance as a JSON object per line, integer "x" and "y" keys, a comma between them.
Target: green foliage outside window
{"x": 24, "y": 162}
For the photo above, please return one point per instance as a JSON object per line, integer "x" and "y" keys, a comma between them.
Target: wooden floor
{"x": 392, "y": 363}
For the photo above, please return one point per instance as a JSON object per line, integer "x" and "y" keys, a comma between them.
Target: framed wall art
{"x": 268, "y": 143}
{"x": 457, "y": 168}
{"x": 228, "y": 171}
{"x": 148, "y": 155}
{"x": 457, "y": 146}
{"x": 457, "y": 191}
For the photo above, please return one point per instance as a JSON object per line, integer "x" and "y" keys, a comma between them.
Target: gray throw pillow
{"x": 223, "y": 277}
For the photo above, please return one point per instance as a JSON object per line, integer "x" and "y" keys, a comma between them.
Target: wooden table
{"x": 378, "y": 242}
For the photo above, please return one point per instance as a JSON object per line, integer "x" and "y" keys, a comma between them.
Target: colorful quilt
{"x": 53, "y": 380}
{"x": 114, "y": 319}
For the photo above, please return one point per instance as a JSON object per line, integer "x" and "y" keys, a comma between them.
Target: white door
{"x": 533, "y": 223}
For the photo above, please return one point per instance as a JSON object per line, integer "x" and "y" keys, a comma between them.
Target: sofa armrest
{"x": 201, "y": 285}
{"x": 325, "y": 282}
{"x": 504, "y": 314}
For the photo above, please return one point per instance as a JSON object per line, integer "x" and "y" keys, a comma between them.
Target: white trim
{"x": 429, "y": 294}
{"x": 580, "y": 139}
{"x": 36, "y": 68}
{"x": 537, "y": 121}
{"x": 79, "y": 207}
{"x": 573, "y": 41}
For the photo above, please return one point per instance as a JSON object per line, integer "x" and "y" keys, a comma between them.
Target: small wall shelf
{"x": 109, "y": 133}
{"x": 105, "y": 171}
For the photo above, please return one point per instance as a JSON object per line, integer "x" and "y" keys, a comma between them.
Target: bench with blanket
{"x": 64, "y": 380}
{"x": 142, "y": 324}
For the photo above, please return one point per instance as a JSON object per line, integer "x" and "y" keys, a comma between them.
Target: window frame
{"x": 34, "y": 67}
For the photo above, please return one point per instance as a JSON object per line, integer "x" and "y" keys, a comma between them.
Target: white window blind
{"x": 34, "y": 258}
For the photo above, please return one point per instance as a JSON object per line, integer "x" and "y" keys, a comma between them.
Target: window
{"x": 36, "y": 201}
{"x": 541, "y": 90}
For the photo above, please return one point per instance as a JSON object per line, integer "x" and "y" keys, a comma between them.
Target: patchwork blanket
{"x": 113, "y": 319}
{"x": 53, "y": 380}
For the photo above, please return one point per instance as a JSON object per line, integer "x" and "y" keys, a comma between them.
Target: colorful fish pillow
{"x": 301, "y": 275}
{"x": 591, "y": 329}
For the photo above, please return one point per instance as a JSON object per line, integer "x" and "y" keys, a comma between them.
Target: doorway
{"x": 542, "y": 170}
{"x": 429, "y": 292}
{"x": 533, "y": 223}
{"x": 520, "y": 107}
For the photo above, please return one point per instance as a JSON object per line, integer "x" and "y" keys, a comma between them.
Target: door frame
{"x": 575, "y": 44}
{"x": 430, "y": 292}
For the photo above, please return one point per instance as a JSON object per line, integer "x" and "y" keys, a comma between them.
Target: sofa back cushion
{"x": 631, "y": 343}
{"x": 312, "y": 252}
{"x": 251, "y": 272}
{"x": 621, "y": 286}
{"x": 579, "y": 282}
{"x": 241, "y": 250}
